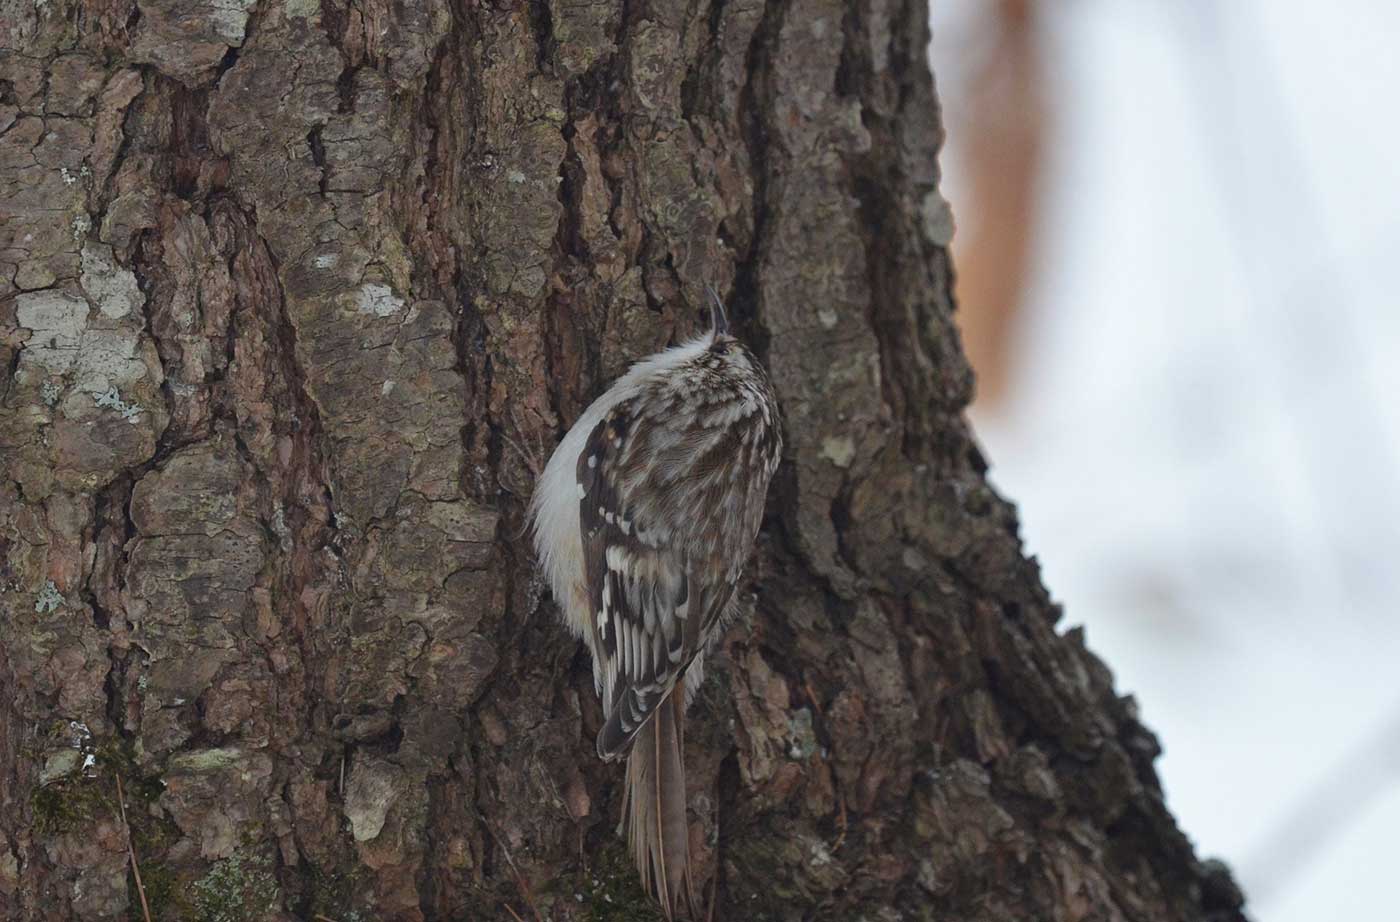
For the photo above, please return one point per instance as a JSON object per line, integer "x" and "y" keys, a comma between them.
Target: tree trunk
{"x": 295, "y": 299}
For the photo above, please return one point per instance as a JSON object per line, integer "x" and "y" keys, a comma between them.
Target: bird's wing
{"x": 651, "y": 606}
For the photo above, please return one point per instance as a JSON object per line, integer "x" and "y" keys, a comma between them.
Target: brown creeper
{"x": 643, "y": 520}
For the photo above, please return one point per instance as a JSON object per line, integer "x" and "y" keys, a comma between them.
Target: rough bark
{"x": 294, "y": 299}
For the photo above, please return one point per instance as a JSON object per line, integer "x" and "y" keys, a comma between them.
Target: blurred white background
{"x": 1179, "y": 254}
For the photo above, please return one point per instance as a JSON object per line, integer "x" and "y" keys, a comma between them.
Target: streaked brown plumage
{"x": 644, "y": 518}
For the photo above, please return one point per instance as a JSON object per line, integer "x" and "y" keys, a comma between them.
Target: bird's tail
{"x": 654, "y": 807}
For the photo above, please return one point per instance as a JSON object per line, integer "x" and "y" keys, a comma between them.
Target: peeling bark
{"x": 295, "y": 298}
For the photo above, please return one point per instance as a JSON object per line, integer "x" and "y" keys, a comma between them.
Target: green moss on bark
{"x": 236, "y": 889}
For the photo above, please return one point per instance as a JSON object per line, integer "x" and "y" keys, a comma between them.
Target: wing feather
{"x": 669, "y": 507}
{"x": 640, "y": 588}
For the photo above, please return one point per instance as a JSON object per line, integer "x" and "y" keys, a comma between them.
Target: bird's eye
{"x": 720, "y": 347}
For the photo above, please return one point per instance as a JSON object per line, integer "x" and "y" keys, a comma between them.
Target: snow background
{"x": 1203, "y": 428}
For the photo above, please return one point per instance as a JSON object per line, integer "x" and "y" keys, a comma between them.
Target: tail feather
{"x": 654, "y": 807}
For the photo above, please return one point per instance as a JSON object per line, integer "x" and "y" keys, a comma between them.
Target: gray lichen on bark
{"x": 294, "y": 299}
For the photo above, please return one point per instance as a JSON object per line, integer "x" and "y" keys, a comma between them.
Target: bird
{"x": 643, "y": 520}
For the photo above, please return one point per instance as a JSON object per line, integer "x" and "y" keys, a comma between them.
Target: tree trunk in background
{"x": 295, "y": 296}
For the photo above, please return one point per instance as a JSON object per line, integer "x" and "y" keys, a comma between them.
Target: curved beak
{"x": 719, "y": 319}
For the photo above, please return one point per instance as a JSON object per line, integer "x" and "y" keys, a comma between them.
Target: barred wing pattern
{"x": 670, "y": 502}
